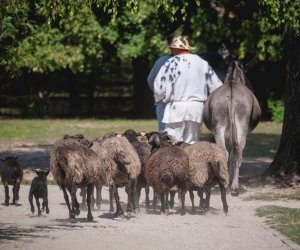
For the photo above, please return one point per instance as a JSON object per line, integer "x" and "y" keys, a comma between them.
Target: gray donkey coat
{"x": 231, "y": 112}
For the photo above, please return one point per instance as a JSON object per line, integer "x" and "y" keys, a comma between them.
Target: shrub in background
{"x": 277, "y": 109}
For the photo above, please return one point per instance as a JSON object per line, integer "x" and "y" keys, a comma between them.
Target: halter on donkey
{"x": 231, "y": 112}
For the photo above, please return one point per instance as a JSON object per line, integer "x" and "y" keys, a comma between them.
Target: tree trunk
{"x": 142, "y": 94}
{"x": 287, "y": 158}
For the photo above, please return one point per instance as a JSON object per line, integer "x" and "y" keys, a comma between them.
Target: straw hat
{"x": 180, "y": 42}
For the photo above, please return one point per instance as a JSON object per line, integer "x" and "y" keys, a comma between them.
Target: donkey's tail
{"x": 232, "y": 121}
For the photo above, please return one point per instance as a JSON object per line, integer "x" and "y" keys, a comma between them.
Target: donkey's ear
{"x": 47, "y": 172}
{"x": 37, "y": 172}
{"x": 224, "y": 52}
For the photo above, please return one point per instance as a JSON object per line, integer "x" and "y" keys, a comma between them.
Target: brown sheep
{"x": 11, "y": 174}
{"x": 119, "y": 166}
{"x": 143, "y": 150}
{"x": 208, "y": 166}
{"x": 167, "y": 170}
{"x": 74, "y": 165}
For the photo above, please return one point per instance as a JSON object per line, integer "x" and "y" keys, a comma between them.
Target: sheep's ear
{"x": 121, "y": 158}
{"x": 154, "y": 140}
{"x": 142, "y": 133}
{"x": 47, "y": 172}
{"x": 66, "y": 136}
{"x": 79, "y": 136}
{"x": 37, "y": 172}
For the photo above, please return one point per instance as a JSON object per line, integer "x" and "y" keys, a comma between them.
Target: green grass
{"x": 282, "y": 219}
{"x": 262, "y": 142}
{"x": 274, "y": 196}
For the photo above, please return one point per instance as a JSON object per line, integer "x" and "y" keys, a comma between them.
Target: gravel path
{"x": 240, "y": 229}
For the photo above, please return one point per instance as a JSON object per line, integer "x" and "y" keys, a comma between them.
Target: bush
{"x": 277, "y": 109}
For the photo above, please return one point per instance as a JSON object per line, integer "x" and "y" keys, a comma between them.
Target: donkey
{"x": 231, "y": 112}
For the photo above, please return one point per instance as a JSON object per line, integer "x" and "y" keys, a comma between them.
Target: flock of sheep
{"x": 133, "y": 160}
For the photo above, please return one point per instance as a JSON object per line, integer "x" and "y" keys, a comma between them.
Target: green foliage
{"x": 277, "y": 14}
{"x": 87, "y": 35}
{"x": 285, "y": 220}
{"x": 277, "y": 109}
{"x": 274, "y": 196}
{"x": 275, "y": 18}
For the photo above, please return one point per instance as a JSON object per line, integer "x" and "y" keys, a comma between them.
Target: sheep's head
{"x": 42, "y": 174}
{"x": 131, "y": 135}
{"x": 158, "y": 140}
{"x": 121, "y": 158}
{"x": 80, "y": 138}
{"x": 10, "y": 161}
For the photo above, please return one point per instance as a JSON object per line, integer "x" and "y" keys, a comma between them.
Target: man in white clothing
{"x": 159, "y": 105}
{"x": 184, "y": 83}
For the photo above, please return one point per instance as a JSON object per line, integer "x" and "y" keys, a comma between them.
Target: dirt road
{"x": 239, "y": 229}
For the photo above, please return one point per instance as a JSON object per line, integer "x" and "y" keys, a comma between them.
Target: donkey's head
{"x": 225, "y": 53}
{"x": 235, "y": 73}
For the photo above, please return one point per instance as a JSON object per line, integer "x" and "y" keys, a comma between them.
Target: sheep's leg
{"x": 117, "y": 198}
{"x": 98, "y": 196}
{"x": 88, "y": 201}
{"x": 83, "y": 194}
{"x": 154, "y": 200}
{"x": 111, "y": 198}
{"x": 172, "y": 199}
{"x": 75, "y": 204}
{"x": 133, "y": 188}
{"x": 130, "y": 190}
{"x": 93, "y": 200}
{"x": 182, "y": 198}
{"x": 6, "y": 194}
{"x": 71, "y": 214}
{"x": 167, "y": 206}
{"x": 30, "y": 198}
{"x": 147, "y": 191}
{"x": 137, "y": 196}
{"x": 179, "y": 195}
{"x": 17, "y": 190}
{"x": 162, "y": 202}
{"x": 45, "y": 202}
{"x": 192, "y": 199}
{"x": 223, "y": 197}
{"x": 202, "y": 201}
{"x": 207, "y": 191}
{"x": 38, "y": 205}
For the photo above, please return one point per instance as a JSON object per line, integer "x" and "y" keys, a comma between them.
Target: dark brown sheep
{"x": 11, "y": 174}
{"x": 39, "y": 190}
{"x": 73, "y": 165}
{"x": 143, "y": 150}
{"x": 167, "y": 170}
